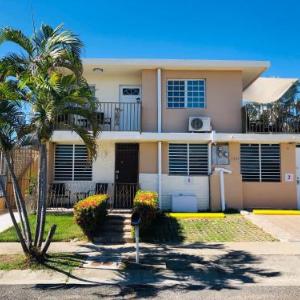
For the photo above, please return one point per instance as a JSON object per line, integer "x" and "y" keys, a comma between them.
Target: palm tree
{"x": 11, "y": 136}
{"x": 50, "y": 71}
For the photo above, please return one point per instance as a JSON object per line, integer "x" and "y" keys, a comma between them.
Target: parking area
{"x": 284, "y": 228}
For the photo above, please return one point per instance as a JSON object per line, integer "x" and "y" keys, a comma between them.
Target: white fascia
{"x": 61, "y": 136}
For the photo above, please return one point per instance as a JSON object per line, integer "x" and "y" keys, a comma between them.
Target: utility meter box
{"x": 184, "y": 202}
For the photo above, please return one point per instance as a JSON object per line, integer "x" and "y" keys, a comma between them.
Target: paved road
{"x": 145, "y": 292}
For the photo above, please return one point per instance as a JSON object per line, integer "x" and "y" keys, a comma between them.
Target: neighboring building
{"x": 149, "y": 137}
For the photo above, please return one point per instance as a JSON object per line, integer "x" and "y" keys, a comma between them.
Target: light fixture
{"x": 98, "y": 70}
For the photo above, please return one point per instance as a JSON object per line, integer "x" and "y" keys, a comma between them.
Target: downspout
{"x": 159, "y": 154}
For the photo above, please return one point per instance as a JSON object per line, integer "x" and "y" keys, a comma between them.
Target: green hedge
{"x": 90, "y": 213}
{"x": 146, "y": 204}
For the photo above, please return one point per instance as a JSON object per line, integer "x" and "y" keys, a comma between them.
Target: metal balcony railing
{"x": 270, "y": 118}
{"x": 111, "y": 116}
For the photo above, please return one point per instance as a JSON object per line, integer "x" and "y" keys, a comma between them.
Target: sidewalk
{"x": 5, "y": 220}
{"x": 211, "y": 265}
{"x": 255, "y": 248}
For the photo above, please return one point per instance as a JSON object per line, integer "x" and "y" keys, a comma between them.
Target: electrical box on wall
{"x": 220, "y": 154}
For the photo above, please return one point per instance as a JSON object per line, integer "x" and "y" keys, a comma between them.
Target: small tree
{"x": 50, "y": 72}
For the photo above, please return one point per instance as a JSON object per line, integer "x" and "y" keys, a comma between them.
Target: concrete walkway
{"x": 284, "y": 228}
{"x": 5, "y": 220}
{"x": 209, "y": 265}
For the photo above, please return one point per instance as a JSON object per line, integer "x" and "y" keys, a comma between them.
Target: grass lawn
{"x": 232, "y": 228}
{"x": 66, "y": 229}
{"x": 65, "y": 262}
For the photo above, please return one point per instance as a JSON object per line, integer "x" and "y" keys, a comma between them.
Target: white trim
{"x": 67, "y": 136}
{"x": 177, "y": 63}
{"x": 209, "y": 158}
{"x": 159, "y": 161}
{"x": 159, "y": 114}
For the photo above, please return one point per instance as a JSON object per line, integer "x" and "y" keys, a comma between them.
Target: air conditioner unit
{"x": 199, "y": 124}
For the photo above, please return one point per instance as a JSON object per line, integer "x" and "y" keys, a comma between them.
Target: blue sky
{"x": 232, "y": 29}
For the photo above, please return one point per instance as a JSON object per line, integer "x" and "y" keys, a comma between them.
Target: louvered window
{"x": 188, "y": 159}
{"x": 72, "y": 163}
{"x": 260, "y": 163}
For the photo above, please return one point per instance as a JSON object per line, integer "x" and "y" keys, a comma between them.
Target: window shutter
{"x": 63, "y": 166}
{"x": 270, "y": 163}
{"x": 82, "y": 164}
{"x": 188, "y": 159}
{"x": 178, "y": 159}
{"x": 72, "y": 163}
{"x": 198, "y": 159}
{"x": 260, "y": 163}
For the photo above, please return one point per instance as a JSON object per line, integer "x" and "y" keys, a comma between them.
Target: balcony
{"x": 271, "y": 118}
{"x": 111, "y": 116}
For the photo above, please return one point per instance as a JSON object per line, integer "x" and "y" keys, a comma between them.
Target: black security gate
{"x": 126, "y": 175}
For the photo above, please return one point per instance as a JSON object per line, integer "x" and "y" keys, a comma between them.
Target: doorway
{"x": 126, "y": 174}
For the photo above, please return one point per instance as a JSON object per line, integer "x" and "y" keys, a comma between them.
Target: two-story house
{"x": 166, "y": 124}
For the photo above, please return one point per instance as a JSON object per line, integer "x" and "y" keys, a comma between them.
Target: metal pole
{"x": 222, "y": 191}
{"x": 137, "y": 247}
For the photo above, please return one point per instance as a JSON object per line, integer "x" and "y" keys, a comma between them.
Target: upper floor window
{"x": 188, "y": 93}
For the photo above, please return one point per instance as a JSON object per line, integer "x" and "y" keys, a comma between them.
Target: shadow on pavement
{"x": 166, "y": 266}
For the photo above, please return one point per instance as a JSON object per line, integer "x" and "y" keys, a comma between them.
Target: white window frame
{"x": 186, "y": 93}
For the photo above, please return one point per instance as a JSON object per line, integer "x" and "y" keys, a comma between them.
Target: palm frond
{"x": 9, "y": 34}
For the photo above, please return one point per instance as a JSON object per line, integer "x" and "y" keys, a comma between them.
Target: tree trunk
{"x": 18, "y": 231}
{"x": 49, "y": 239}
{"x": 19, "y": 201}
{"x": 42, "y": 196}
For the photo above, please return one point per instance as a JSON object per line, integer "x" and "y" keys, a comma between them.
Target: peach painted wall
{"x": 241, "y": 194}
{"x": 232, "y": 182}
{"x": 278, "y": 194}
{"x": 223, "y": 97}
{"x": 149, "y": 101}
{"x": 148, "y": 158}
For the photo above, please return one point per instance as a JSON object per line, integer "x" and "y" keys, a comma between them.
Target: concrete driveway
{"x": 284, "y": 228}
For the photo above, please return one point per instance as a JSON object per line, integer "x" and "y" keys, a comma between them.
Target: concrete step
{"x": 116, "y": 228}
{"x": 114, "y": 238}
{"x": 119, "y": 216}
{"x": 117, "y": 222}
{"x": 122, "y": 211}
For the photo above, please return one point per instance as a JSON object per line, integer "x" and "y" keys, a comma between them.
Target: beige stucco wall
{"x": 232, "y": 182}
{"x": 223, "y": 96}
{"x": 108, "y": 85}
{"x": 148, "y": 158}
{"x": 149, "y": 101}
{"x": 256, "y": 194}
{"x": 274, "y": 195}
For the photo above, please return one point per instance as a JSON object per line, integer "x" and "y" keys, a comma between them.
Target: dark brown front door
{"x": 126, "y": 174}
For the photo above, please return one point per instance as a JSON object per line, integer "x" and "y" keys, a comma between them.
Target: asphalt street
{"x": 104, "y": 291}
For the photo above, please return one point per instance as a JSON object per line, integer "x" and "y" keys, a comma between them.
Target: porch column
{"x": 159, "y": 168}
{"x": 159, "y": 121}
{"x": 159, "y": 117}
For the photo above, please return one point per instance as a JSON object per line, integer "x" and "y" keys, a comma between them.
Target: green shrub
{"x": 146, "y": 204}
{"x": 90, "y": 213}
